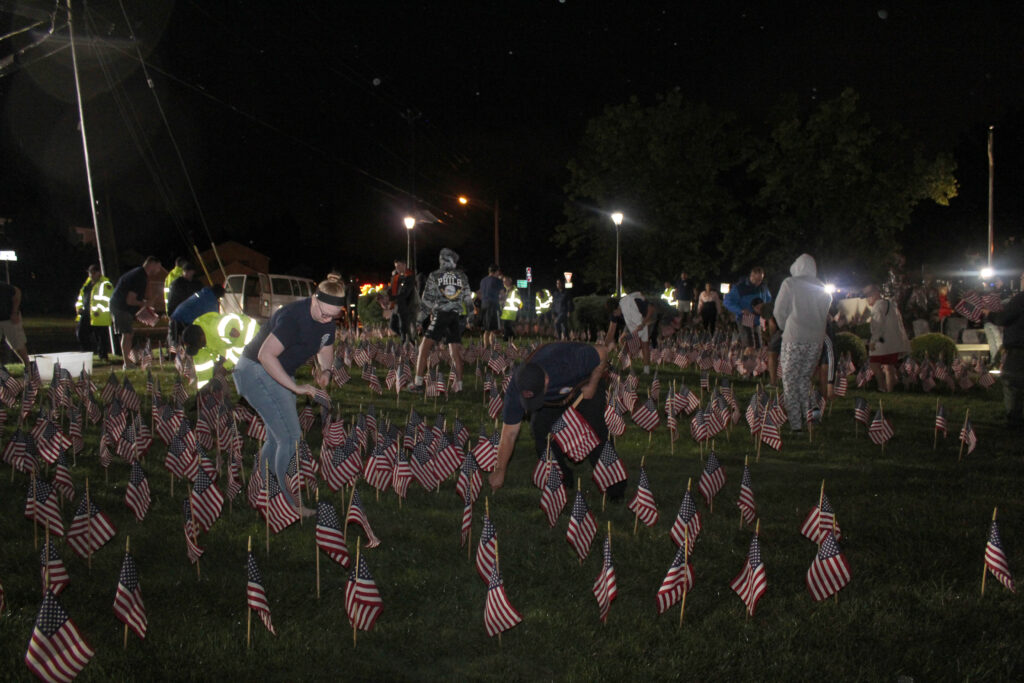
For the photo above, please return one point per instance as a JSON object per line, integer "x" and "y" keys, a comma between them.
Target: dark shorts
{"x": 446, "y": 327}
{"x": 489, "y": 317}
{"x": 122, "y": 321}
{"x": 775, "y": 342}
{"x": 887, "y": 359}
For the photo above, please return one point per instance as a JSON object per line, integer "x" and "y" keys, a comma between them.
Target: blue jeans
{"x": 276, "y": 406}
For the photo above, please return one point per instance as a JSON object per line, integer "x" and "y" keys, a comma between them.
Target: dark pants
{"x": 709, "y": 316}
{"x": 592, "y": 411}
{"x": 406, "y": 321}
{"x": 562, "y": 327}
{"x": 92, "y": 338}
{"x": 1012, "y": 378}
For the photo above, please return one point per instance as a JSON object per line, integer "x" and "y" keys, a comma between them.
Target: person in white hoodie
{"x": 800, "y": 310}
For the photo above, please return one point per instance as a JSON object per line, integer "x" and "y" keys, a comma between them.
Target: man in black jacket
{"x": 1012, "y": 375}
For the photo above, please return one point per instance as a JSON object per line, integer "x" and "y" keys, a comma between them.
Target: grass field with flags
{"x": 912, "y": 522}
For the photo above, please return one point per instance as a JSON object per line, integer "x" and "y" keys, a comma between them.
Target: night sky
{"x": 309, "y": 130}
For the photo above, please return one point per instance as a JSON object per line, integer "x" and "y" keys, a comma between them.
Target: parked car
{"x": 259, "y": 295}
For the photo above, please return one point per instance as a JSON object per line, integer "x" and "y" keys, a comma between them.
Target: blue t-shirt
{"x": 135, "y": 280}
{"x": 490, "y": 290}
{"x": 203, "y": 301}
{"x": 298, "y": 332}
{"x": 565, "y": 363}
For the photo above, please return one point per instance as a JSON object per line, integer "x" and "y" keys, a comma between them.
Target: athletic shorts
{"x": 122, "y": 321}
{"x": 489, "y": 317}
{"x": 445, "y": 327}
{"x": 886, "y": 359}
{"x": 14, "y": 333}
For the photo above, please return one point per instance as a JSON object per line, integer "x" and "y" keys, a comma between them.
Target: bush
{"x": 847, "y": 342}
{"x": 369, "y": 311}
{"x": 589, "y": 314}
{"x": 935, "y": 345}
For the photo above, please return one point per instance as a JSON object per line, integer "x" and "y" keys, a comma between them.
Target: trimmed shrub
{"x": 589, "y": 314}
{"x": 935, "y": 345}
{"x": 847, "y": 342}
{"x": 369, "y": 311}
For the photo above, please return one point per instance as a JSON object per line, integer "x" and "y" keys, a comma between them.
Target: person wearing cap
{"x": 181, "y": 289}
{"x": 551, "y": 379}
{"x": 447, "y": 300}
{"x": 265, "y": 374}
{"x": 633, "y": 314}
{"x": 93, "y": 309}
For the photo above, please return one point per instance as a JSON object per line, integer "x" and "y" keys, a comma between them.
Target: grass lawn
{"x": 914, "y": 523}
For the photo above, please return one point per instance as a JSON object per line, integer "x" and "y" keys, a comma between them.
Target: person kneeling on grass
{"x": 265, "y": 374}
{"x": 551, "y": 380}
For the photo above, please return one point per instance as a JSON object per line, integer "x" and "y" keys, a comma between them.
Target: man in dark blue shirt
{"x": 490, "y": 302}
{"x": 128, "y": 297}
{"x": 552, "y": 378}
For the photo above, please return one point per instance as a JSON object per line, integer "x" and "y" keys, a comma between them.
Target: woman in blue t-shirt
{"x": 265, "y": 374}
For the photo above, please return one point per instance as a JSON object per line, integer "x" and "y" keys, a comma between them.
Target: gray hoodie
{"x": 801, "y": 307}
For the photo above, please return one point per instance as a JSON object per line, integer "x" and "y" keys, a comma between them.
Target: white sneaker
{"x": 647, "y": 369}
{"x": 456, "y": 387}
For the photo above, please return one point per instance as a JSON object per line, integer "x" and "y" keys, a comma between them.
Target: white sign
{"x": 8, "y": 256}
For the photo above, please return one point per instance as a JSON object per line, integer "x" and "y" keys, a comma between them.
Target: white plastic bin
{"x": 72, "y": 361}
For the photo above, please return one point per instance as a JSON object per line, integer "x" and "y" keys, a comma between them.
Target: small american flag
{"x": 329, "y": 536}
{"x": 279, "y": 512}
{"x": 880, "y": 429}
{"x": 687, "y": 524}
{"x": 56, "y": 651}
{"x": 609, "y": 469}
{"x": 553, "y": 497}
{"x": 970, "y": 306}
{"x": 646, "y": 415}
{"x": 574, "y": 435}
{"x": 136, "y": 495}
{"x": 699, "y": 429}
{"x": 840, "y": 385}
{"x": 402, "y": 474}
{"x": 861, "y": 412}
{"x": 995, "y": 558}
{"x": 128, "y": 600}
{"x": 820, "y": 521}
{"x": 605, "y": 588}
{"x": 968, "y": 437}
{"x": 467, "y": 487}
{"x": 746, "y": 500}
{"x": 486, "y": 550}
{"x": 613, "y": 420}
{"x": 712, "y": 478}
{"x": 940, "y": 419}
{"x": 678, "y": 579}
{"x": 750, "y": 583}
{"x": 643, "y": 504}
{"x": 192, "y": 534}
{"x": 90, "y": 529}
{"x": 485, "y": 452}
{"x": 363, "y": 603}
{"x": 356, "y": 515}
{"x": 499, "y": 614}
{"x": 207, "y": 501}
{"x": 255, "y": 595}
{"x": 582, "y": 527}
{"x": 62, "y": 482}
{"x": 829, "y": 572}
{"x": 51, "y": 568}
{"x": 494, "y": 406}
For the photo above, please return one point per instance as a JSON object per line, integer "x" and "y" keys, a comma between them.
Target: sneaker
{"x": 456, "y": 387}
{"x": 647, "y": 369}
{"x": 414, "y": 388}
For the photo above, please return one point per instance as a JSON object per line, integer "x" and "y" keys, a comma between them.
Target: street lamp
{"x": 617, "y": 220}
{"x": 464, "y": 201}
{"x": 410, "y": 223}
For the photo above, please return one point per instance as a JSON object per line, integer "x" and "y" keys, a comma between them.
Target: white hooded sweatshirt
{"x": 801, "y": 307}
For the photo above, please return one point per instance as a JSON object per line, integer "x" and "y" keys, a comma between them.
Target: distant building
{"x": 237, "y": 259}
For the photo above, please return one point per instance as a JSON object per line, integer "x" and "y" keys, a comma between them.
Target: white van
{"x": 260, "y": 294}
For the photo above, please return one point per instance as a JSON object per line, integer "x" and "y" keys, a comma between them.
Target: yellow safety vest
{"x": 542, "y": 301}
{"x": 218, "y": 328}
{"x": 99, "y": 302}
{"x": 175, "y": 273}
{"x": 668, "y": 298}
{"x": 512, "y": 305}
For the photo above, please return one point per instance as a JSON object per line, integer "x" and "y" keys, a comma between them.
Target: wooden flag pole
{"x": 355, "y": 631}
{"x": 834, "y": 525}
{"x": 821, "y": 496}
{"x": 881, "y": 414}
{"x": 127, "y": 540}
{"x": 605, "y": 622}
{"x": 88, "y": 522}
{"x": 316, "y": 551}
{"x": 935, "y": 441}
{"x": 960, "y": 455}
{"x": 686, "y": 569}
{"x": 497, "y": 566}
{"x": 248, "y": 616}
{"x": 348, "y": 509}
{"x": 46, "y": 564}
{"x": 984, "y": 565}
{"x": 636, "y": 515}
{"x": 298, "y": 473}
{"x": 35, "y": 512}
{"x": 746, "y": 460}
{"x": 266, "y": 499}
{"x": 760, "y": 430}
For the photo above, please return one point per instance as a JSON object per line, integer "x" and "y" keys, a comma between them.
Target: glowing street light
{"x": 987, "y": 273}
{"x": 617, "y": 220}
{"x": 410, "y": 223}
{"x": 830, "y": 288}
